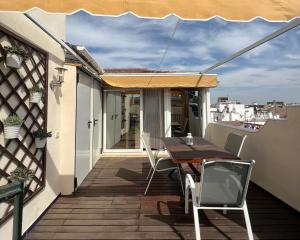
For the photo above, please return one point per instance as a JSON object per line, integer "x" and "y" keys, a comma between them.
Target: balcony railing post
{"x": 14, "y": 191}
{"x": 18, "y": 213}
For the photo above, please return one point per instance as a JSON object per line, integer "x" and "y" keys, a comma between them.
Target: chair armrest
{"x": 190, "y": 181}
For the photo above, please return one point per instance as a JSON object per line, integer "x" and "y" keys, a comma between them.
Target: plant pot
{"x": 13, "y": 60}
{"x": 11, "y": 132}
{"x": 40, "y": 142}
{"x": 35, "y": 97}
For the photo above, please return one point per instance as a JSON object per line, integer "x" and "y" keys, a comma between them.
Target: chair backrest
{"x": 234, "y": 143}
{"x": 224, "y": 182}
{"x": 145, "y": 140}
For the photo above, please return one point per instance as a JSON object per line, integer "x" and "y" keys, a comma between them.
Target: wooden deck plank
{"x": 110, "y": 205}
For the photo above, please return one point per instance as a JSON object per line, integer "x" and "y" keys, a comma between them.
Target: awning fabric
{"x": 160, "y": 81}
{"x": 236, "y": 10}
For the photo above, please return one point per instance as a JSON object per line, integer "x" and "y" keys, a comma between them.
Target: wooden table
{"x": 199, "y": 151}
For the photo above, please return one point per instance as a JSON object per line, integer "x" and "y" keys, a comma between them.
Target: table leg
{"x": 195, "y": 171}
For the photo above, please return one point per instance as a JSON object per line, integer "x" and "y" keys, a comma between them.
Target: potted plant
{"x": 12, "y": 126}
{"x": 36, "y": 94}
{"x": 40, "y": 137}
{"x": 15, "y": 56}
{"x": 21, "y": 174}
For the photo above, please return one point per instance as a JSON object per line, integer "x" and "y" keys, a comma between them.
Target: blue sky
{"x": 271, "y": 71}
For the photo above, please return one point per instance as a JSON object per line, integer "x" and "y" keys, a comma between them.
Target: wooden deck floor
{"x": 110, "y": 205}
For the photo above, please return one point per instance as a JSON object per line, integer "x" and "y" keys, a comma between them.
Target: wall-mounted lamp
{"x": 60, "y": 78}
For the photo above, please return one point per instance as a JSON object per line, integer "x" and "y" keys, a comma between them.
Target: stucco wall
{"x": 56, "y": 27}
{"x": 23, "y": 27}
{"x": 276, "y": 149}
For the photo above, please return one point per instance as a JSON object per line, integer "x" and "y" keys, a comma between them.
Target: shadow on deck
{"x": 110, "y": 205}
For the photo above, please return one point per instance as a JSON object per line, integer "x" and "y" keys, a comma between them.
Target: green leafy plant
{"x": 13, "y": 120}
{"x": 36, "y": 89}
{"x": 41, "y": 134}
{"x": 18, "y": 51}
{"x": 21, "y": 174}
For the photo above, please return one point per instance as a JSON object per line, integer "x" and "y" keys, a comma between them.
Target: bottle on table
{"x": 189, "y": 139}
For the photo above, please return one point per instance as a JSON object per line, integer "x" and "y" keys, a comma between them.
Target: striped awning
{"x": 160, "y": 80}
{"x": 236, "y": 10}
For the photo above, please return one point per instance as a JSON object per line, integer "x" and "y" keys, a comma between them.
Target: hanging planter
{"x": 12, "y": 125}
{"x": 15, "y": 57}
{"x": 40, "y": 137}
{"x": 21, "y": 174}
{"x": 36, "y": 94}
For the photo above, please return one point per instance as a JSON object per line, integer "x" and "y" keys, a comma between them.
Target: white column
{"x": 141, "y": 115}
{"x": 208, "y": 105}
{"x": 167, "y": 111}
{"x": 204, "y": 111}
{"x": 206, "y": 118}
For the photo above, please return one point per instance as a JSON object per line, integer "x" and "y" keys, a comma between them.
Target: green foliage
{"x": 21, "y": 174}
{"x": 18, "y": 51}
{"x": 41, "y": 133}
{"x": 13, "y": 120}
{"x": 36, "y": 88}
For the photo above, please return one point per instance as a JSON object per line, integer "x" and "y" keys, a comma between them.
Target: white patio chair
{"x": 159, "y": 165}
{"x": 223, "y": 185}
{"x": 234, "y": 143}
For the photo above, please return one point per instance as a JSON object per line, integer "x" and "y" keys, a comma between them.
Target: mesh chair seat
{"x": 165, "y": 164}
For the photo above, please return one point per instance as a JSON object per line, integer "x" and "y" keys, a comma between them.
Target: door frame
{"x": 105, "y": 150}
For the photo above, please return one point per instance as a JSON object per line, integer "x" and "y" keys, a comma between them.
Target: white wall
{"x": 23, "y": 27}
{"x": 276, "y": 150}
{"x": 67, "y": 134}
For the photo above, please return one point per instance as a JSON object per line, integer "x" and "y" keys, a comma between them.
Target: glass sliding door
{"x": 179, "y": 112}
{"x": 123, "y": 119}
{"x": 195, "y": 113}
{"x": 185, "y": 112}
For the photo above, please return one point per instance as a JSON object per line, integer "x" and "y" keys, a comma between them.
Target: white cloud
{"x": 228, "y": 39}
{"x": 119, "y": 39}
{"x": 261, "y": 77}
{"x": 293, "y": 56}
